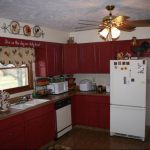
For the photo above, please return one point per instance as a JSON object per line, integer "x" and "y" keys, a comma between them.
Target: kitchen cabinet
{"x": 88, "y": 58}
{"x": 73, "y": 110}
{"x": 39, "y": 126}
{"x": 12, "y": 133}
{"x": 48, "y": 126}
{"x": 80, "y": 110}
{"x": 49, "y": 61}
{"x": 71, "y": 58}
{"x": 121, "y": 46}
{"x": 33, "y": 133}
{"x": 104, "y": 54}
{"x": 99, "y": 111}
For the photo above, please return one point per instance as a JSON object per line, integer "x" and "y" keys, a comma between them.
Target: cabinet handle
{"x": 98, "y": 100}
{"x": 10, "y": 123}
{"x": 11, "y": 134}
{"x": 12, "y": 146}
{"x": 40, "y": 124}
{"x": 98, "y": 109}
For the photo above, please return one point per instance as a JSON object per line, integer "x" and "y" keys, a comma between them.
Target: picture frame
{"x": 27, "y": 30}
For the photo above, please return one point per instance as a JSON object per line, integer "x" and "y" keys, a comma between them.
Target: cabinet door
{"x": 80, "y": 110}
{"x": 40, "y": 62}
{"x": 48, "y": 127}
{"x": 59, "y": 59}
{"x": 33, "y": 133}
{"x": 51, "y": 60}
{"x": 121, "y": 46}
{"x": 71, "y": 58}
{"x": 88, "y": 58}
{"x": 104, "y": 55}
{"x": 104, "y": 116}
{"x": 73, "y": 110}
{"x": 93, "y": 115}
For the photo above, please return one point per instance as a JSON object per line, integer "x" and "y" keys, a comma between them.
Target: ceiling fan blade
{"x": 91, "y": 21}
{"x": 138, "y": 23}
{"x": 86, "y": 26}
{"x": 89, "y": 24}
{"x": 126, "y": 28}
{"x": 86, "y": 29}
{"x": 120, "y": 18}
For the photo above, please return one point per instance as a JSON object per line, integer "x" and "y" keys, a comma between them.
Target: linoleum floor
{"x": 80, "y": 138}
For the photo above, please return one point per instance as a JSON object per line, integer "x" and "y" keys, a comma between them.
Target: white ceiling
{"x": 64, "y": 15}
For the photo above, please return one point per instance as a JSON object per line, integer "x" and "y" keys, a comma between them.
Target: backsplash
{"x": 100, "y": 79}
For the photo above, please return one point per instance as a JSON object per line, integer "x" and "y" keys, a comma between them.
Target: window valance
{"x": 16, "y": 55}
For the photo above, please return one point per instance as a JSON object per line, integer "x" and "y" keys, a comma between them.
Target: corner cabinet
{"x": 71, "y": 58}
{"x": 104, "y": 54}
{"x": 49, "y": 61}
{"x": 88, "y": 58}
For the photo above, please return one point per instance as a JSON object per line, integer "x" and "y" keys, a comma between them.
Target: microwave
{"x": 59, "y": 87}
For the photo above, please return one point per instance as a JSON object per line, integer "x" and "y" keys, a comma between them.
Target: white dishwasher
{"x": 63, "y": 116}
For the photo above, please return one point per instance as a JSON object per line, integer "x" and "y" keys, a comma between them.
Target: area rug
{"x": 57, "y": 147}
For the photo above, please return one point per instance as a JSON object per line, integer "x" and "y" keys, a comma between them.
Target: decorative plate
{"x": 14, "y": 27}
{"x": 37, "y": 31}
{"x": 27, "y": 30}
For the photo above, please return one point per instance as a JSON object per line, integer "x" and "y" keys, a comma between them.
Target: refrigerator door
{"x": 127, "y": 120}
{"x": 128, "y": 82}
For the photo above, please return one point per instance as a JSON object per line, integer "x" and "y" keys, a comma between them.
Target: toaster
{"x": 85, "y": 85}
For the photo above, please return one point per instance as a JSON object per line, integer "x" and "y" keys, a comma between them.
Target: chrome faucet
{"x": 23, "y": 99}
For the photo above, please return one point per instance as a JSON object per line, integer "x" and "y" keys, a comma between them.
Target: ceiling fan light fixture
{"x": 104, "y": 33}
{"x": 115, "y": 33}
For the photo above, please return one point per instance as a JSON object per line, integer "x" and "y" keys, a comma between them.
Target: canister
{"x": 100, "y": 88}
{"x": 51, "y": 79}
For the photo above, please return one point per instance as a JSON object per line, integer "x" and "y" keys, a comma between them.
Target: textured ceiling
{"x": 64, "y": 15}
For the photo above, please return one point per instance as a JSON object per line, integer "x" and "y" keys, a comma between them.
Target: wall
{"x": 51, "y": 35}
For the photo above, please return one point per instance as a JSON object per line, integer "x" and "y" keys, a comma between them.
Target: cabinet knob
{"x": 11, "y": 134}
{"x": 10, "y": 123}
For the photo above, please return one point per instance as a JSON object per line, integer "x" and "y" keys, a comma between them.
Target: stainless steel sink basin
{"x": 37, "y": 101}
{"x": 22, "y": 106}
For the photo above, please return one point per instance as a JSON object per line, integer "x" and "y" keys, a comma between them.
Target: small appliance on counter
{"x": 107, "y": 88}
{"x": 85, "y": 85}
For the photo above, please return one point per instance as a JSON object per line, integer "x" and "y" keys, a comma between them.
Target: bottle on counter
{"x": 61, "y": 78}
{"x": 95, "y": 87}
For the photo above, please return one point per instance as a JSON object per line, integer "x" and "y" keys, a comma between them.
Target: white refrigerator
{"x": 129, "y": 97}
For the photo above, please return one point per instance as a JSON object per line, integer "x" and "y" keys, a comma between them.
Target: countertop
{"x": 52, "y": 98}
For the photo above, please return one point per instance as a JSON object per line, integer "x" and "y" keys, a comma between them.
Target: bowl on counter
{"x": 70, "y": 80}
{"x": 71, "y": 86}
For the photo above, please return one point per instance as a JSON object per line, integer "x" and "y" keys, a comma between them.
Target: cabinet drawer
{"x": 16, "y": 143}
{"x": 39, "y": 111}
{"x": 10, "y": 122}
{"x": 99, "y": 99}
{"x": 11, "y": 133}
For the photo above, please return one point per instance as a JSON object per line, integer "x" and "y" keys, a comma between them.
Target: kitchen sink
{"x": 22, "y": 106}
{"x": 29, "y": 104}
{"x": 37, "y": 101}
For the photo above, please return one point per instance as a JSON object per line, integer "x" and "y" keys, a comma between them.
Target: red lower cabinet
{"x": 73, "y": 110}
{"x": 80, "y": 110}
{"x": 99, "y": 111}
{"x": 33, "y": 133}
{"x": 39, "y": 126}
{"x": 48, "y": 127}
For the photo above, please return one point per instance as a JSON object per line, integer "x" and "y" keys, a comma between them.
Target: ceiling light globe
{"x": 115, "y": 33}
{"x": 104, "y": 33}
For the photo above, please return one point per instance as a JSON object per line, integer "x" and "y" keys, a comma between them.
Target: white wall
{"x": 90, "y": 36}
{"x": 51, "y": 35}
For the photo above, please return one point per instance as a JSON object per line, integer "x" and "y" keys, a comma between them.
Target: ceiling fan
{"x": 111, "y": 25}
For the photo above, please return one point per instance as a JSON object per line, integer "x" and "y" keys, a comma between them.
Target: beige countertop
{"x": 52, "y": 98}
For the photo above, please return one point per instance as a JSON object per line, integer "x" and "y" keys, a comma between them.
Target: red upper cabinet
{"x": 49, "y": 61}
{"x": 104, "y": 54}
{"x": 71, "y": 58}
{"x": 121, "y": 46}
{"x": 88, "y": 58}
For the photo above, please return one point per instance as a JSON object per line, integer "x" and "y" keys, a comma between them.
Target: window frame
{"x": 23, "y": 88}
